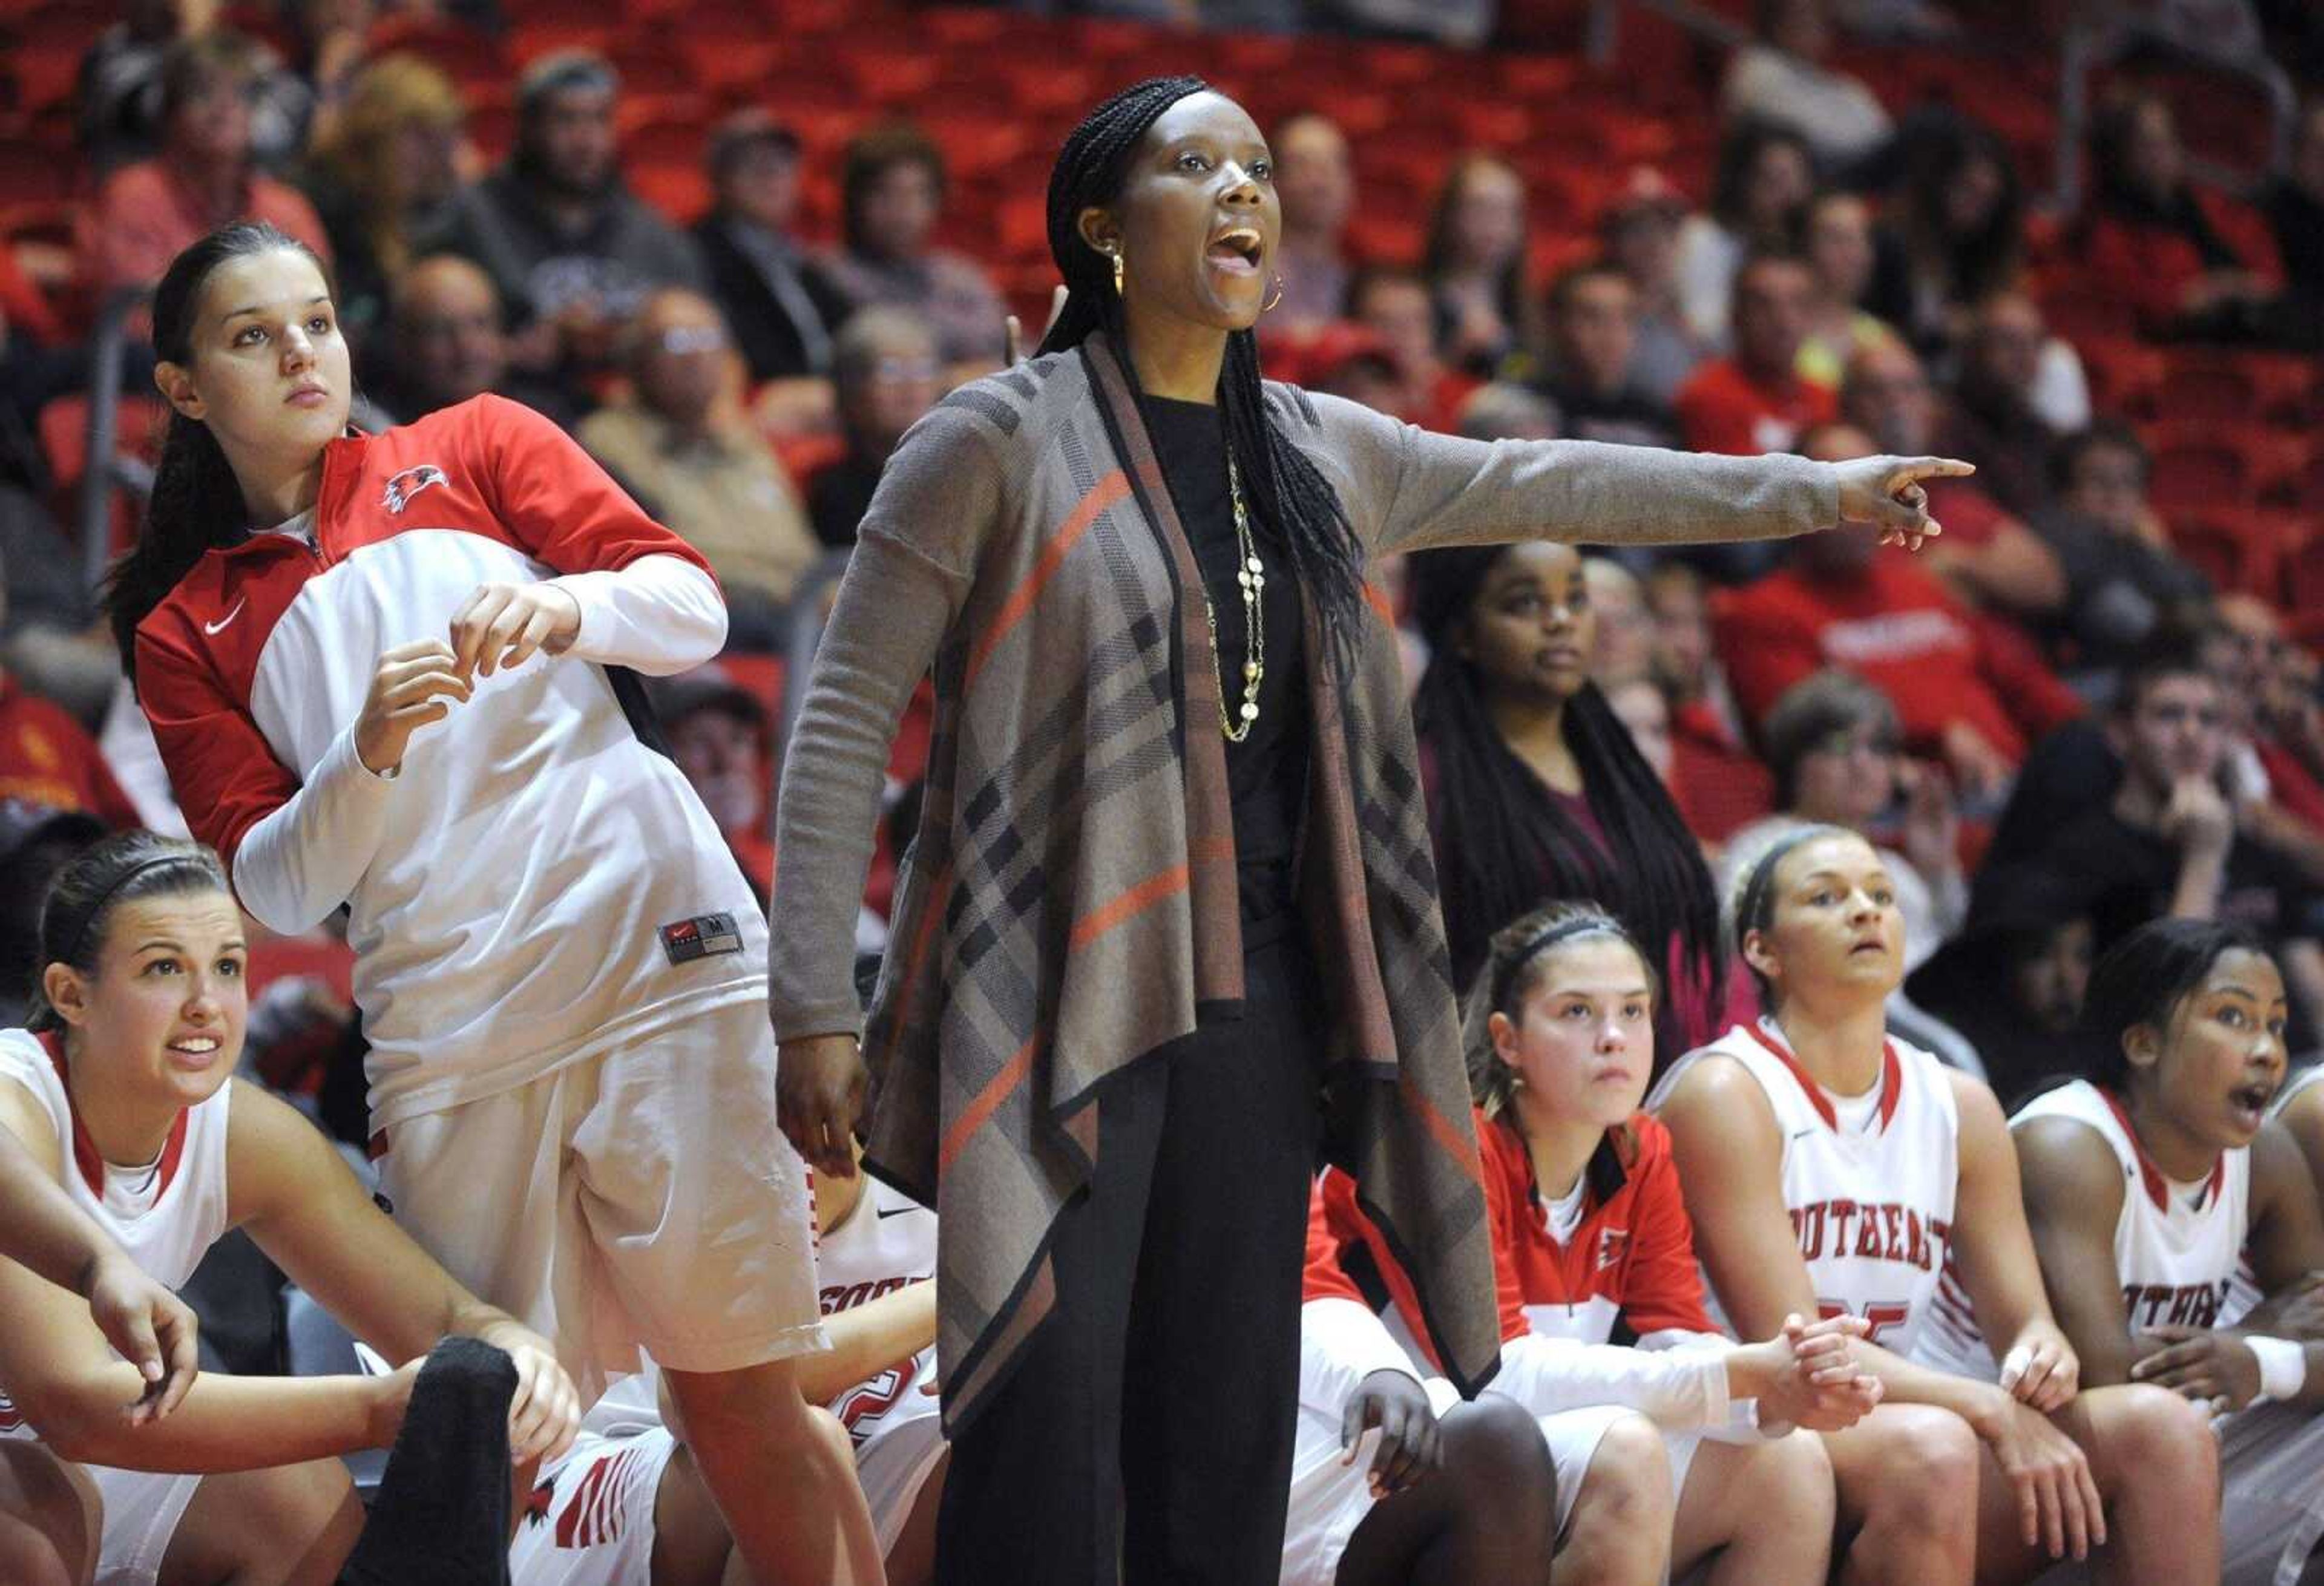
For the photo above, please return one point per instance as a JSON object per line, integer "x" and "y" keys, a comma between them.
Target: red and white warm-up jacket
{"x": 1632, "y": 1260}
{"x": 535, "y": 884}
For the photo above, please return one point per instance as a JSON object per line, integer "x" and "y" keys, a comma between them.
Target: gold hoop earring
{"x": 1115, "y": 255}
{"x": 1277, "y": 299}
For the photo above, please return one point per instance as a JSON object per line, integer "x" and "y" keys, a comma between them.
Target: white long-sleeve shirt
{"x": 535, "y": 883}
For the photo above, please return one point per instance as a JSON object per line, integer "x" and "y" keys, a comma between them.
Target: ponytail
{"x": 197, "y": 503}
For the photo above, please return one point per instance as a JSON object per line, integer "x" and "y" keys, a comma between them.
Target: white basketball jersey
{"x": 166, "y": 1217}
{"x": 1871, "y": 1202}
{"x": 888, "y": 1241}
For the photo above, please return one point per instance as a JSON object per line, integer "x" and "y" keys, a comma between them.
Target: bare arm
{"x": 2073, "y": 1190}
{"x": 868, "y": 1339}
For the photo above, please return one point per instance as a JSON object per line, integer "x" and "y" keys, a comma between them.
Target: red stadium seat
{"x": 2240, "y": 551}
{"x": 2126, "y": 376}
{"x": 2217, "y": 387}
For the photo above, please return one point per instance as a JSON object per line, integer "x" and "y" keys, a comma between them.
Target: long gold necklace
{"x": 1250, "y": 574}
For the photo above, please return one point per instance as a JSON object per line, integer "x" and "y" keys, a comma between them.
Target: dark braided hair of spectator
{"x": 1295, "y": 504}
{"x": 1505, "y": 847}
{"x": 197, "y": 501}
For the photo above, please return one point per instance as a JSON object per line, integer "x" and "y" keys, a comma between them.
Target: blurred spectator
{"x": 2294, "y": 201}
{"x": 1833, "y": 743}
{"x": 1719, "y": 784}
{"x": 572, "y": 252}
{"x": 379, "y": 175}
{"x": 1394, "y": 305}
{"x": 2123, "y": 580}
{"x": 1317, "y": 181}
{"x": 2276, "y": 798}
{"x": 121, "y": 116}
{"x": 1783, "y": 78}
{"x": 1475, "y": 261}
{"x": 36, "y": 841}
{"x": 891, "y": 196}
{"x": 1354, "y": 362}
{"x": 1755, "y": 400}
{"x": 2168, "y": 842}
{"x": 47, "y": 757}
{"x": 1640, "y": 705}
{"x": 1952, "y": 236}
{"x": 887, "y": 375}
{"x": 1461, "y": 24}
{"x": 782, "y": 312}
{"x": 204, "y": 176}
{"x": 1640, "y": 229}
{"x": 1764, "y": 178}
{"x": 1624, "y": 646}
{"x": 1593, "y": 341}
{"x": 2012, "y": 981}
{"x": 1988, "y": 556}
{"x": 719, "y": 736}
{"x": 677, "y": 439}
{"x": 328, "y": 40}
{"x": 2152, "y": 240}
{"x": 1992, "y": 419}
{"x": 446, "y": 343}
{"x": 1838, "y": 255}
{"x": 1963, "y": 695}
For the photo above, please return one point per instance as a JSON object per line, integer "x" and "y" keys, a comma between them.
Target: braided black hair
{"x": 1293, "y": 504}
{"x": 197, "y": 501}
{"x": 1504, "y": 846}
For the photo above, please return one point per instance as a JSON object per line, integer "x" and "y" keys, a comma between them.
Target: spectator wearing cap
{"x": 1965, "y": 695}
{"x": 205, "y": 176}
{"x": 1317, "y": 181}
{"x": 886, "y": 374}
{"x": 1988, "y": 556}
{"x": 1755, "y": 400}
{"x": 678, "y": 441}
{"x": 1783, "y": 78}
{"x": 782, "y": 312}
{"x": 1640, "y": 230}
{"x": 572, "y": 251}
{"x": 447, "y": 341}
{"x": 891, "y": 196}
{"x": 1593, "y": 343}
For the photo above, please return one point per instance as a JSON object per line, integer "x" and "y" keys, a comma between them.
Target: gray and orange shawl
{"x": 1069, "y": 905}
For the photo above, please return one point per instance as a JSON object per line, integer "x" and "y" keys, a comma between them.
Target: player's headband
{"x": 1751, "y": 909}
{"x": 96, "y": 909}
{"x": 1549, "y": 937}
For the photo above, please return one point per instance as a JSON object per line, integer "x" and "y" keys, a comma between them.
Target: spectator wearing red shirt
{"x": 1395, "y": 306}
{"x": 204, "y": 177}
{"x": 1718, "y": 783}
{"x": 2182, "y": 261}
{"x": 1754, "y": 401}
{"x": 1986, "y": 554}
{"x": 46, "y": 757}
{"x": 1963, "y": 693}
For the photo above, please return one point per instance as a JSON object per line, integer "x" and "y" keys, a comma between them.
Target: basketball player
{"x": 1829, "y": 1166}
{"x": 120, "y": 1091}
{"x": 1589, "y": 1235}
{"x": 2147, "y": 1183}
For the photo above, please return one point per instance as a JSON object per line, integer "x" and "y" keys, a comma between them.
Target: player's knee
{"x": 1792, "y": 1479}
{"x": 1927, "y": 1468}
{"x": 33, "y": 1559}
{"x": 2158, "y": 1440}
{"x": 1629, "y": 1479}
{"x": 1496, "y": 1443}
{"x": 823, "y": 1432}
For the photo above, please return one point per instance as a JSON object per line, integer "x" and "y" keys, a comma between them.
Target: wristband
{"x": 2283, "y": 1366}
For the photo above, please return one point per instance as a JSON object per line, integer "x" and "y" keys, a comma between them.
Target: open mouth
{"x": 1237, "y": 250}
{"x": 2250, "y": 1102}
{"x": 194, "y": 1051}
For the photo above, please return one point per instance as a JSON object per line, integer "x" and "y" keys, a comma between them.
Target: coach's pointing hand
{"x": 820, "y": 1083}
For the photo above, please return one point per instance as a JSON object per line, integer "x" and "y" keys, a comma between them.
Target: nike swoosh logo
{"x": 888, "y": 1211}
{"x": 218, "y": 627}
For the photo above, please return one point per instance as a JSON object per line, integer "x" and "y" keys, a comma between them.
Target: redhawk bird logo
{"x": 537, "y": 1502}
{"x": 409, "y": 484}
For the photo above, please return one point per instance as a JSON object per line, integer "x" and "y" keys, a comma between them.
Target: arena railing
{"x": 102, "y": 470}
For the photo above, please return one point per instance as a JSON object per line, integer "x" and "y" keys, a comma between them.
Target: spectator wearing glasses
{"x": 887, "y": 373}
{"x": 677, "y": 440}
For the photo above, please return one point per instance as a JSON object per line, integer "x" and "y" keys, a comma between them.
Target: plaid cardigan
{"x": 1069, "y": 905}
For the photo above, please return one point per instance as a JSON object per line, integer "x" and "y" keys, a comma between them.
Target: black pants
{"x": 1147, "y": 1434}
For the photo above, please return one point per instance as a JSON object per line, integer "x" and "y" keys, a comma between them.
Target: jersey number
{"x": 1879, "y": 1316}
{"x": 873, "y": 1397}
